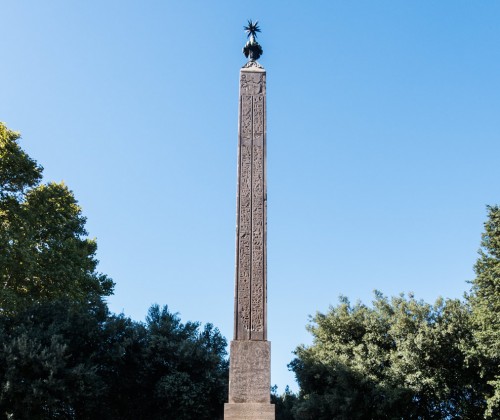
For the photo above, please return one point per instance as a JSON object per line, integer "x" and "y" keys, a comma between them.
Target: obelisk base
{"x": 249, "y": 411}
{"x": 249, "y": 381}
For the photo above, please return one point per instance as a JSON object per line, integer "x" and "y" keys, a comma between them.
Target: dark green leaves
{"x": 61, "y": 360}
{"x": 17, "y": 170}
{"x": 485, "y": 302}
{"x": 400, "y": 358}
{"x": 45, "y": 254}
{"x": 62, "y": 354}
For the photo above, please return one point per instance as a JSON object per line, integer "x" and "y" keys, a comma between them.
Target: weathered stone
{"x": 251, "y": 248}
{"x": 248, "y": 411}
{"x": 249, "y": 372}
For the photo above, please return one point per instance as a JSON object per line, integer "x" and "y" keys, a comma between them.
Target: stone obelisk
{"x": 250, "y": 352}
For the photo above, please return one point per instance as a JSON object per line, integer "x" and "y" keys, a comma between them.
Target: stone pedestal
{"x": 249, "y": 372}
{"x": 249, "y": 411}
{"x": 249, "y": 381}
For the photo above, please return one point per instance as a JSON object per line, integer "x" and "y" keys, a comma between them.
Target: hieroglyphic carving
{"x": 258, "y": 115}
{"x": 252, "y": 83}
{"x": 251, "y": 224}
{"x": 246, "y": 117}
{"x": 257, "y": 288}
{"x": 245, "y": 218}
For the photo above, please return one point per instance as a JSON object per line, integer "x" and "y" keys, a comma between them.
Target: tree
{"x": 185, "y": 370}
{"x": 62, "y": 353}
{"x": 45, "y": 254}
{"x": 485, "y": 303}
{"x": 77, "y": 361}
{"x": 398, "y": 359}
{"x": 284, "y": 403}
{"x": 49, "y": 363}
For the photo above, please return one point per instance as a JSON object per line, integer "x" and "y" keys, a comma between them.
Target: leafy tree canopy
{"x": 62, "y": 354}
{"x": 400, "y": 358}
{"x": 404, "y": 358}
{"x": 485, "y": 302}
{"x": 67, "y": 361}
{"x": 45, "y": 254}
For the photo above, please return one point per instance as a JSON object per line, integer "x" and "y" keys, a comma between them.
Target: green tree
{"x": 49, "y": 363}
{"x": 401, "y": 358}
{"x": 185, "y": 372}
{"x": 45, "y": 254}
{"x": 62, "y": 354}
{"x": 284, "y": 403}
{"x": 77, "y": 361}
{"x": 485, "y": 303}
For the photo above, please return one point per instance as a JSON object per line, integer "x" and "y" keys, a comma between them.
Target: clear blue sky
{"x": 383, "y": 144}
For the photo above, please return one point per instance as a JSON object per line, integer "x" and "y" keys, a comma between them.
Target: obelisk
{"x": 250, "y": 352}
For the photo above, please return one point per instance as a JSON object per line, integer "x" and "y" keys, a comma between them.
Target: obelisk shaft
{"x": 250, "y": 352}
{"x": 250, "y": 294}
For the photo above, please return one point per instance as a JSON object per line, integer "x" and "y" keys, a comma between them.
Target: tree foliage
{"x": 45, "y": 254}
{"x": 485, "y": 302}
{"x": 284, "y": 403}
{"x": 404, "y": 358}
{"x": 400, "y": 358}
{"x": 66, "y": 361}
{"x": 62, "y": 353}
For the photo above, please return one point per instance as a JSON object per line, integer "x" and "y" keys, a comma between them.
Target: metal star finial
{"x": 252, "y": 48}
{"x": 252, "y": 28}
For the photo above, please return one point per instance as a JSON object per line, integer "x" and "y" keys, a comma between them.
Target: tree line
{"x": 402, "y": 358}
{"x": 64, "y": 355}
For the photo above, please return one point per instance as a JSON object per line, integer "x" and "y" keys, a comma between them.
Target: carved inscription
{"x": 257, "y": 310}
{"x": 245, "y": 218}
{"x": 246, "y": 117}
{"x": 258, "y": 114}
{"x": 252, "y": 83}
{"x": 257, "y": 285}
{"x": 251, "y": 224}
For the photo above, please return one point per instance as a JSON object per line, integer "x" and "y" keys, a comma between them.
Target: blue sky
{"x": 383, "y": 144}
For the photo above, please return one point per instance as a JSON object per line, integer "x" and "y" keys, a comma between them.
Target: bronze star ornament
{"x": 252, "y": 48}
